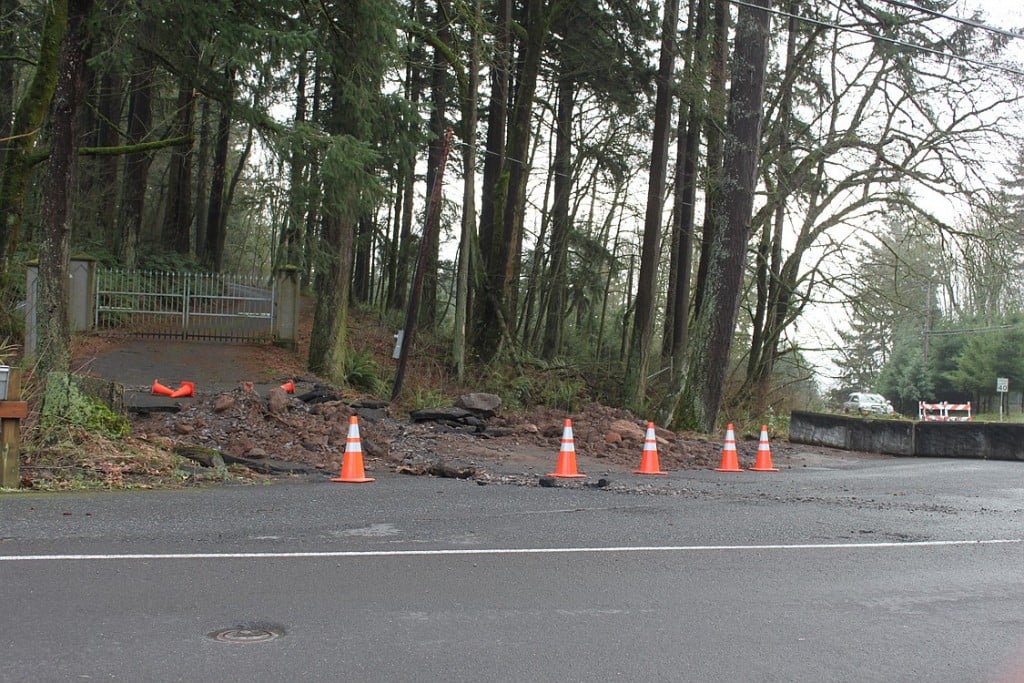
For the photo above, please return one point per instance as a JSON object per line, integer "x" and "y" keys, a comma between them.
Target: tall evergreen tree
{"x": 716, "y": 323}
{"x": 650, "y": 257}
{"x": 361, "y": 38}
{"x": 59, "y": 182}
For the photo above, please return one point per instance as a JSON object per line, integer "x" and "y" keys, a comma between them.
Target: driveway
{"x": 136, "y": 363}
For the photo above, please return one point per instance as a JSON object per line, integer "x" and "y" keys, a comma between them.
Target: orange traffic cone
{"x": 186, "y": 389}
{"x": 730, "y": 461}
{"x": 289, "y": 386}
{"x": 649, "y": 458}
{"x": 160, "y": 389}
{"x": 566, "y": 468}
{"x": 352, "y": 464}
{"x": 764, "y": 454}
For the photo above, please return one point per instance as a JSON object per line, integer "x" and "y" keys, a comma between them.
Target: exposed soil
{"x": 270, "y": 431}
{"x": 243, "y": 424}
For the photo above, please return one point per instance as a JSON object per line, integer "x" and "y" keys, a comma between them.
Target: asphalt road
{"x": 873, "y": 570}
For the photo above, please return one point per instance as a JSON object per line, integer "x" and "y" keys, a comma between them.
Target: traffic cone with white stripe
{"x": 649, "y": 458}
{"x": 352, "y": 464}
{"x": 764, "y": 454}
{"x": 730, "y": 461}
{"x": 566, "y": 468}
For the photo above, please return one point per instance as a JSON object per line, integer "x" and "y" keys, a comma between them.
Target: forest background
{"x": 645, "y": 202}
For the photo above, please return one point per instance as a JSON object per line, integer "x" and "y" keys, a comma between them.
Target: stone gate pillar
{"x": 81, "y": 298}
{"x": 286, "y": 307}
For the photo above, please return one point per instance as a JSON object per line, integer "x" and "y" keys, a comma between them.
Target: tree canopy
{"x": 667, "y": 198}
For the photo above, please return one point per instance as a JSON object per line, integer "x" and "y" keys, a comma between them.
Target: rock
{"x": 484, "y": 405}
{"x": 664, "y": 435}
{"x": 277, "y": 400}
{"x": 256, "y": 453}
{"x": 529, "y": 428}
{"x": 552, "y": 430}
{"x": 451, "y": 414}
{"x": 144, "y": 411}
{"x": 223, "y": 403}
{"x": 332, "y": 411}
{"x": 319, "y": 395}
{"x": 629, "y": 431}
{"x": 184, "y": 428}
{"x": 206, "y": 457}
{"x": 612, "y": 437}
{"x": 375, "y": 449}
{"x": 437, "y": 469}
{"x": 371, "y": 414}
{"x": 370, "y": 404}
{"x": 242, "y": 445}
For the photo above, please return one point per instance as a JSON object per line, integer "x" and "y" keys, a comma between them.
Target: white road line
{"x": 499, "y": 551}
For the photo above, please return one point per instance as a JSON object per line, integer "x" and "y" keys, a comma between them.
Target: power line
{"x": 885, "y": 39}
{"x": 959, "y": 20}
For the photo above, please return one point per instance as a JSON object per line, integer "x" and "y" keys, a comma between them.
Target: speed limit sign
{"x": 1002, "y": 384}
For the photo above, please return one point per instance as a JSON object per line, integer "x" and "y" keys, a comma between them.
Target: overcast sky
{"x": 1005, "y": 14}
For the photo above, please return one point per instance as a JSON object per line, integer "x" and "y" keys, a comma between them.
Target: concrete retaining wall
{"x": 985, "y": 440}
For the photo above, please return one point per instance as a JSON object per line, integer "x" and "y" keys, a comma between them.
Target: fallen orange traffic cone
{"x": 764, "y": 454}
{"x": 160, "y": 389}
{"x": 352, "y": 464}
{"x": 566, "y": 468}
{"x": 289, "y": 386}
{"x": 186, "y": 389}
{"x": 730, "y": 461}
{"x": 649, "y": 458}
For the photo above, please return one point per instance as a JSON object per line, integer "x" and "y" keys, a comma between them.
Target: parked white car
{"x": 866, "y": 404}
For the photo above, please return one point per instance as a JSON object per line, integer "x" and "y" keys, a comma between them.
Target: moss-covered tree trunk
{"x": 709, "y": 360}
{"x": 358, "y": 59}
{"x": 59, "y": 183}
{"x": 327, "y": 345}
{"x": 7, "y": 45}
{"x": 650, "y": 258}
{"x": 28, "y": 119}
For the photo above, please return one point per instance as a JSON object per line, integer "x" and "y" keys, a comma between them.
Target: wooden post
{"x": 12, "y": 411}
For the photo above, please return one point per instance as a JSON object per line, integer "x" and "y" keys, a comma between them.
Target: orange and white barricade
{"x": 941, "y": 412}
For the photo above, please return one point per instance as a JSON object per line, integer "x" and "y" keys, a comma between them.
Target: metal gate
{"x": 211, "y": 306}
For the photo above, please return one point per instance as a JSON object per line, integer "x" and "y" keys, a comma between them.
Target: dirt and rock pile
{"x": 471, "y": 436}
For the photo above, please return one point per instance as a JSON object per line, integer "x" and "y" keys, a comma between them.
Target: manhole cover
{"x": 246, "y": 634}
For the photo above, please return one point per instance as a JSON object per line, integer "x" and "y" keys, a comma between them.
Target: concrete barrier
{"x": 984, "y": 440}
{"x": 892, "y": 437}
